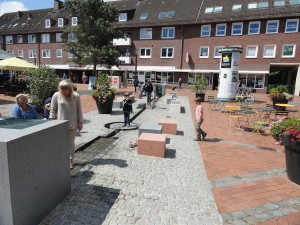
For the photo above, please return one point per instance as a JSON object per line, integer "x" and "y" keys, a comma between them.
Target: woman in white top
{"x": 66, "y": 105}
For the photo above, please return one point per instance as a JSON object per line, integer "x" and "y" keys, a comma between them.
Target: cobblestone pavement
{"x": 122, "y": 187}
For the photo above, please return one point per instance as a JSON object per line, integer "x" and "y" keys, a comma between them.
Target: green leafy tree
{"x": 93, "y": 36}
{"x": 41, "y": 82}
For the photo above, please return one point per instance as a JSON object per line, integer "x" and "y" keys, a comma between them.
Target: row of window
{"x": 46, "y": 53}
{"x": 60, "y": 22}
{"x": 288, "y": 51}
{"x": 291, "y": 26}
{"x": 251, "y": 6}
{"x": 45, "y": 38}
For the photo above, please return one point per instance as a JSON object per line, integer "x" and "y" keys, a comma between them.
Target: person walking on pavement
{"x": 127, "y": 109}
{"x": 136, "y": 83}
{"x": 179, "y": 83}
{"x": 148, "y": 90}
{"x": 66, "y": 105}
{"x": 199, "y": 121}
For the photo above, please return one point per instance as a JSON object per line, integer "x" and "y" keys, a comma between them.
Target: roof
{"x": 5, "y": 55}
{"x": 30, "y": 21}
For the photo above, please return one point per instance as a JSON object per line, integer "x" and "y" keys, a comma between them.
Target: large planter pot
{"x": 292, "y": 158}
{"x": 105, "y": 106}
{"x": 279, "y": 101}
{"x": 201, "y": 96}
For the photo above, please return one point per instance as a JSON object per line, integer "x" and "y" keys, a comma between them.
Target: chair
{"x": 269, "y": 105}
{"x": 211, "y": 102}
{"x": 280, "y": 114}
{"x": 259, "y": 125}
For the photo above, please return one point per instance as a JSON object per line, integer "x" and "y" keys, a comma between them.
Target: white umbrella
{"x": 15, "y": 63}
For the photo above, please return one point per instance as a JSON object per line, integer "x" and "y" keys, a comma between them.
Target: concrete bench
{"x": 173, "y": 94}
{"x": 168, "y": 99}
{"x": 117, "y": 104}
{"x": 152, "y": 144}
{"x": 168, "y": 126}
{"x": 175, "y": 106}
{"x": 150, "y": 128}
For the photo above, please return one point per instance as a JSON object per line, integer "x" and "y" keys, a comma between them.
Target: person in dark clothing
{"x": 127, "y": 109}
{"x": 148, "y": 90}
{"x": 47, "y": 105}
{"x": 136, "y": 83}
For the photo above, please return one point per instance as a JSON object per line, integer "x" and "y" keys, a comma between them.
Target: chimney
{"x": 20, "y": 14}
{"x": 57, "y": 5}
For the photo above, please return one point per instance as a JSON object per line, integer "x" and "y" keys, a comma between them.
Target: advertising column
{"x": 228, "y": 75}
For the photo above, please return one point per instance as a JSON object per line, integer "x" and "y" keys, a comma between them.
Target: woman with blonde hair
{"x": 66, "y": 105}
{"x": 22, "y": 109}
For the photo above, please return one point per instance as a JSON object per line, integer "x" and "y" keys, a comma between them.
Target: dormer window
{"x": 123, "y": 17}
{"x": 47, "y": 23}
{"x": 60, "y": 22}
{"x": 74, "y": 21}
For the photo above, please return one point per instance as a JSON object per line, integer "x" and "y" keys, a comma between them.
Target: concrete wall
{"x": 34, "y": 172}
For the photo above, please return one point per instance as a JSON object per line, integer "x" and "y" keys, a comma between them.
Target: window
{"x": 20, "y": 53}
{"x": 205, "y": 30}
{"x": 32, "y": 53}
{"x": 70, "y": 55}
{"x": 263, "y": 5}
{"x": 294, "y": 2}
{"x": 288, "y": 51}
{"x": 291, "y": 25}
{"x": 58, "y": 37}
{"x": 167, "y": 52}
{"x": 145, "y": 53}
{"x": 146, "y": 33}
{"x": 162, "y": 15}
{"x": 31, "y": 38}
{"x": 72, "y": 37}
{"x": 47, "y": 23}
{"x": 60, "y": 22}
{"x": 237, "y": 29}
{"x": 237, "y": 7}
{"x": 252, "y": 5}
{"x": 269, "y": 51}
{"x": 45, "y": 38}
{"x": 272, "y": 26}
{"x": 123, "y": 17}
{"x": 163, "y": 77}
{"x": 144, "y": 16}
{"x": 251, "y": 51}
{"x": 216, "y": 52}
{"x": 74, "y": 21}
{"x": 279, "y": 3}
{"x": 254, "y": 27}
{"x": 20, "y": 39}
{"x": 168, "y": 32}
{"x": 209, "y": 9}
{"x": 170, "y": 14}
{"x": 253, "y": 80}
{"x": 218, "y": 9}
{"x": 46, "y": 53}
{"x": 221, "y": 30}
{"x": 9, "y": 40}
{"x": 58, "y": 53}
{"x": 10, "y": 52}
{"x": 204, "y": 52}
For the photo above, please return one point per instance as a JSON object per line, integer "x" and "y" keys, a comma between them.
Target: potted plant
{"x": 104, "y": 95}
{"x": 199, "y": 86}
{"x": 287, "y": 132}
{"x": 279, "y": 94}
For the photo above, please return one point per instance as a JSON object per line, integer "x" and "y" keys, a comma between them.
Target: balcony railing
{"x": 122, "y": 41}
{"x": 125, "y": 59}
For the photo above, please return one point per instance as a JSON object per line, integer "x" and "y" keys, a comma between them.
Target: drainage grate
{"x": 269, "y": 149}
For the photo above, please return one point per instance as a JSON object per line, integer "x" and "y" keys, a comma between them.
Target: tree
{"x": 93, "y": 36}
{"x": 41, "y": 82}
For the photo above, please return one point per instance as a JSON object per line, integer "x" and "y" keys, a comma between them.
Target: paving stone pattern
{"x": 121, "y": 187}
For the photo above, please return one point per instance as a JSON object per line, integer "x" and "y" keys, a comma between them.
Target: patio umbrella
{"x": 15, "y": 64}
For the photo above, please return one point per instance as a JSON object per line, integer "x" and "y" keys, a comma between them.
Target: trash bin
{"x": 160, "y": 89}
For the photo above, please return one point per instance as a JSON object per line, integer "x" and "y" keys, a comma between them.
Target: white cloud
{"x": 11, "y": 6}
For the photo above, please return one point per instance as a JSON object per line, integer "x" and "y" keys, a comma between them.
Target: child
{"x": 199, "y": 121}
{"x": 127, "y": 109}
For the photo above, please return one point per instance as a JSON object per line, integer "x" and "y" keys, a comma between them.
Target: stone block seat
{"x": 168, "y": 99}
{"x": 117, "y": 104}
{"x": 174, "y": 95}
{"x": 152, "y": 144}
{"x": 168, "y": 126}
{"x": 175, "y": 106}
{"x": 150, "y": 128}
{"x": 132, "y": 98}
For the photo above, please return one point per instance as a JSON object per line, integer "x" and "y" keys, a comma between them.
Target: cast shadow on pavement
{"x": 73, "y": 209}
{"x": 170, "y": 153}
{"x": 116, "y": 162}
{"x": 213, "y": 139}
